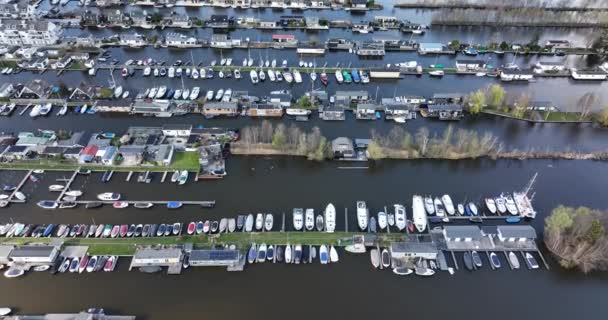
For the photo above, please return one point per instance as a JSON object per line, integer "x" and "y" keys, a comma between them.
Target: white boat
{"x": 513, "y": 260}
{"x": 185, "y": 94}
{"x": 288, "y": 254}
{"x": 249, "y": 223}
{"x": 402, "y": 271}
{"x": 422, "y": 269}
{"x": 339, "y": 77}
{"x": 330, "y": 218}
{"x": 259, "y": 221}
{"x": 313, "y": 76}
{"x": 229, "y": 61}
{"x": 19, "y": 195}
{"x": 194, "y": 93}
{"x": 108, "y": 196}
{"x": 333, "y": 255}
{"x": 297, "y": 77}
{"x": 237, "y": 74}
{"x": 249, "y": 62}
{"x": 288, "y": 77}
{"x": 63, "y": 110}
{"x": 429, "y": 206}
{"x": 362, "y": 215}
{"x": 271, "y": 76}
{"x": 273, "y": 63}
{"x": 491, "y": 205}
{"x": 375, "y": 258}
{"x": 400, "y": 216}
{"x": 382, "y": 222}
{"x": 35, "y": 111}
{"x": 45, "y": 109}
{"x": 295, "y": 112}
{"x": 262, "y": 75}
{"x": 117, "y": 92}
{"x": 436, "y": 73}
{"x": 56, "y": 187}
{"x": 261, "y": 253}
{"x": 147, "y": 71}
{"x": 162, "y": 90}
{"x": 195, "y": 74}
{"x": 14, "y": 272}
{"x": 5, "y": 311}
{"x": 268, "y": 222}
{"x": 385, "y": 258}
{"x": 183, "y": 177}
{"x": 501, "y": 205}
{"x": 532, "y": 264}
{"x": 510, "y": 204}
{"x": 323, "y": 254}
{"x": 448, "y": 204}
{"x": 439, "y": 210}
{"x": 125, "y": 94}
{"x": 254, "y": 76}
{"x": 419, "y": 214}
{"x": 209, "y": 95}
{"x": 219, "y": 94}
{"x": 309, "y": 219}
{"x": 298, "y": 218}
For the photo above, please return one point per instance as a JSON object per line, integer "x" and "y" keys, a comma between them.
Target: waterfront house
{"x": 470, "y": 65}
{"x": 72, "y": 153}
{"x": 544, "y": 66}
{"x": 34, "y": 140}
{"x": 108, "y": 3}
{"x": 313, "y": 23}
{"x": 516, "y": 75}
{"x": 556, "y": 45}
{"x": 89, "y": 18}
{"x": 159, "y": 257}
{"x": 34, "y": 254}
{"x": 445, "y": 111}
{"x": 343, "y": 147}
{"x": 371, "y": 49}
{"x": 265, "y": 110}
{"x": 110, "y": 154}
{"x": 39, "y": 63}
{"x": 348, "y": 97}
{"x": 16, "y": 152}
{"x": 429, "y": 48}
{"x": 156, "y": 107}
{"x": 113, "y": 17}
{"x": 214, "y": 109}
{"x": 87, "y": 155}
{"x": 447, "y": 98}
{"x": 292, "y": 21}
{"x": 219, "y": 21}
{"x": 214, "y": 258}
{"x": 414, "y": 250}
{"x": 178, "y": 21}
{"x": 280, "y": 41}
{"x": 394, "y": 109}
{"x": 34, "y": 33}
{"x": 519, "y": 233}
{"x": 462, "y": 233}
{"x": 178, "y": 40}
{"x": 35, "y": 89}
{"x": 19, "y": 10}
{"x": 131, "y": 155}
{"x": 52, "y": 151}
{"x": 357, "y": 5}
{"x": 333, "y": 113}
{"x": 163, "y": 154}
{"x": 339, "y": 44}
{"x": 588, "y": 74}
{"x": 140, "y": 19}
{"x": 133, "y": 40}
{"x": 367, "y": 111}
{"x": 177, "y": 130}
{"x": 223, "y": 41}
{"x": 282, "y": 99}
{"x": 76, "y": 139}
{"x": 267, "y": 25}
{"x": 82, "y": 93}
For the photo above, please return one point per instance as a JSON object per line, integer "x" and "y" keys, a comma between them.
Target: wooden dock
{"x": 129, "y": 175}
{"x": 203, "y": 203}
{"x": 67, "y": 185}
{"x": 19, "y": 186}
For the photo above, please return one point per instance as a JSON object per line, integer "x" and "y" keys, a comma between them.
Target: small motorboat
{"x": 56, "y": 187}
{"x": 400, "y": 220}
{"x": 48, "y": 204}
{"x": 9, "y": 188}
{"x": 268, "y": 222}
{"x": 476, "y": 259}
{"x": 74, "y": 265}
{"x": 214, "y": 226}
{"x": 199, "y": 227}
{"x": 270, "y": 253}
{"x": 145, "y": 231}
{"x": 143, "y": 205}
{"x": 288, "y": 254}
{"x": 460, "y": 208}
{"x": 531, "y": 261}
{"x": 110, "y": 264}
{"x": 93, "y": 204}
{"x": 259, "y": 221}
{"x": 82, "y": 265}
{"x": 386, "y": 258}
{"x": 372, "y": 225}
{"x": 410, "y": 225}
{"x": 319, "y": 222}
{"x": 261, "y": 253}
{"x": 186, "y": 261}
{"x": 231, "y": 225}
{"x": 161, "y": 230}
{"x": 92, "y": 263}
{"x": 73, "y": 193}
{"x": 175, "y": 176}
{"x": 183, "y": 177}
{"x": 472, "y": 208}
{"x": 249, "y": 223}
{"x": 191, "y": 228}
{"x": 501, "y": 205}
{"x": 468, "y": 260}
{"x": 491, "y": 205}
{"x": 494, "y": 260}
{"x": 298, "y": 218}
{"x": 19, "y": 195}
{"x": 279, "y": 254}
{"x": 65, "y": 264}
{"x": 382, "y": 220}
{"x": 333, "y": 255}
{"x": 402, "y": 271}
{"x": 375, "y": 258}
{"x": 115, "y": 231}
{"x": 108, "y": 196}
{"x": 120, "y": 204}
{"x": 240, "y": 222}
{"x": 206, "y": 226}
{"x": 391, "y": 219}
{"x": 297, "y": 254}
{"x": 422, "y": 269}
{"x": 177, "y": 228}
{"x": 174, "y": 204}
{"x": 309, "y": 219}
{"x": 107, "y": 230}
{"x": 223, "y": 225}
{"x": 252, "y": 254}
{"x": 513, "y": 260}
{"x": 14, "y": 272}
{"x": 513, "y": 219}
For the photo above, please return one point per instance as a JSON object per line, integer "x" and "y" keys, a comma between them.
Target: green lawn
{"x": 185, "y": 161}
{"x": 562, "y": 116}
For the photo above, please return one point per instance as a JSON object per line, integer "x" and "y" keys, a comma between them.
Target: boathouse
{"x": 385, "y": 73}
{"x": 346, "y": 97}
{"x": 163, "y": 155}
{"x": 176, "y": 130}
{"x": 5, "y": 252}
{"x": 88, "y": 154}
{"x": 214, "y": 109}
{"x": 545, "y": 66}
{"x": 445, "y": 111}
{"x": 425, "y": 47}
{"x": 34, "y": 254}
{"x": 588, "y": 74}
{"x": 516, "y": 233}
{"x": 214, "y": 258}
{"x": 343, "y": 147}
{"x": 516, "y": 75}
{"x": 414, "y": 250}
{"x": 367, "y": 111}
{"x": 109, "y": 155}
{"x": 469, "y": 65}
{"x": 35, "y": 89}
{"x": 82, "y": 93}
{"x": 265, "y": 110}
{"x": 462, "y": 233}
{"x": 163, "y": 257}
{"x": 16, "y": 152}
{"x": 333, "y": 113}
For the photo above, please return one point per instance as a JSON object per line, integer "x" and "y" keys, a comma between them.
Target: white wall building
{"x": 29, "y": 33}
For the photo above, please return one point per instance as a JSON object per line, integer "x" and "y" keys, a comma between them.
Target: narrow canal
{"x": 276, "y": 185}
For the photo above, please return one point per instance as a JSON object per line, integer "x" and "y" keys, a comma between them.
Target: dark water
{"x": 279, "y": 184}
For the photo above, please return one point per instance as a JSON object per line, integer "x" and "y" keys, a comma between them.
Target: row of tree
{"x": 547, "y": 4}
{"x": 292, "y": 140}
{"x": 577, "y": 237}
{"x": 519, "y": 17}
{"x": 448, "y": 145}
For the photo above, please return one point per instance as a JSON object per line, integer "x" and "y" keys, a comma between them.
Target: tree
{"x": 594, "y": 232}
{"x": 304, "y": 102}
{"x": 603, "y": 117}
{"x": 374, "y": 150}
{"x": 601, "y": 45}
{"x": 504, "y": 46}
{"x": 497, "y": 95}
{"x": 559, "y": 220}
{"x": 279, "y": 137}
{"x": 586, "y": 102}
{"x": 521, "y": 105}
{"x": 477, "y": 101}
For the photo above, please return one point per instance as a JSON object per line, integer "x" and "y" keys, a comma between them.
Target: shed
{"x": 110, "y": 154}
{"x": 88, "y": 154}
{"x": 462, "y": 233}
{"x": 516, "y": 233}
{"x": 211, "y": 258}
{"x": 5, "y": 252}
{"x": 176, "y": 129}
{"x": 413, "y": 249}
{"x": 163, "y": 257}
{"x": 343, "y": 147}
{"x": 34, "y": 254}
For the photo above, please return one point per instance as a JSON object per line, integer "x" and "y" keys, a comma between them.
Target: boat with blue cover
{"x": 252, "y": 254}
{"x": 48, "y": 230}
{"x": 513, "y": 219}
{"x": 174, "y": 204}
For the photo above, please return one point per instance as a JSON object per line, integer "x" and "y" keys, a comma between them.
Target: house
{"x": 284, "y": 41}
{"x": 343, "y": 147}
{"x": 77, "y": 139}
{"x": 214, "y": 109}
{"x": 62, "y": 63}
{"x": 16, "y": 152}
{"x": 394, "y": 108}
{"x": 282, "y": 99}
{"x": 427, "y": 47}
{"x": 87, "y": 155}
{"x": 214, "y": 258}
{"x": 154, "y": 107}
{"x": 346, "y": 97}
{"x": 164, "y": 155}
{"x": 219, "y": 21}
{"x": 35, "y": 89}
{"x": 291, "y": 21}
{"x": 178, "y": 21}
{"x": 52, "y": 151}
{"x": 114, "y": 17}
{"x": 447, "y": 98}
{"x": 72, "y": 153}
{"x": 160, "y": 257}
{"x": 132, "y": 155}
{"x": 267, "y": 25}
{"x": 5, "y": 251}
{"x": 366, "y": 111}
{"x": 333, "y": 113}
{"x": 313, "y": 23}
{"x": 19, "y": 10}
{"x": 445, "y": 111}
{"x": 133, "y": 40}
{"x": 178, "y": 40}
{"x": 465, "y": 65}
{"x": 556, "y": 45}
{"x": 82, "y": 93}
{"x": 109, "y": 155}
{"x": 358, "y": 5}
{"x": 588, "y": 74}
{"x": 223, "y": 41}
{"x": 6, "y": 90}
{"x": 413, "y": 250}
{"x": 462, "y": 233}
{"x": 177, "y": 130}
{"x": 544, "y": 66}
{"x": 516, "y": 75}
{"x": 34, "y": 33}
{"x": 39, "y": 63}
{"x": 108, "y": 3}
{"x": 34, "y": 254}
{"x": 265, "y": 110}
{"x": 518, "y": 233}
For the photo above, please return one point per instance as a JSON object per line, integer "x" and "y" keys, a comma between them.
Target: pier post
{"x": 454, "y": 259}
{"x": 541, "y": 258}
{"x": 345, "y": 219}
{"x": 388, "y": 226}
{"x": 283, "y": 223}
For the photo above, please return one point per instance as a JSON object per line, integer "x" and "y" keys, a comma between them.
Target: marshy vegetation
{"x": 582, "y": 5}
{"x": 520, "y": 17}
{"x": 577, "y": 237}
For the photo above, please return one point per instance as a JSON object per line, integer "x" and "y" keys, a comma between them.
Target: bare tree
{"x": 586, "y": 103}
